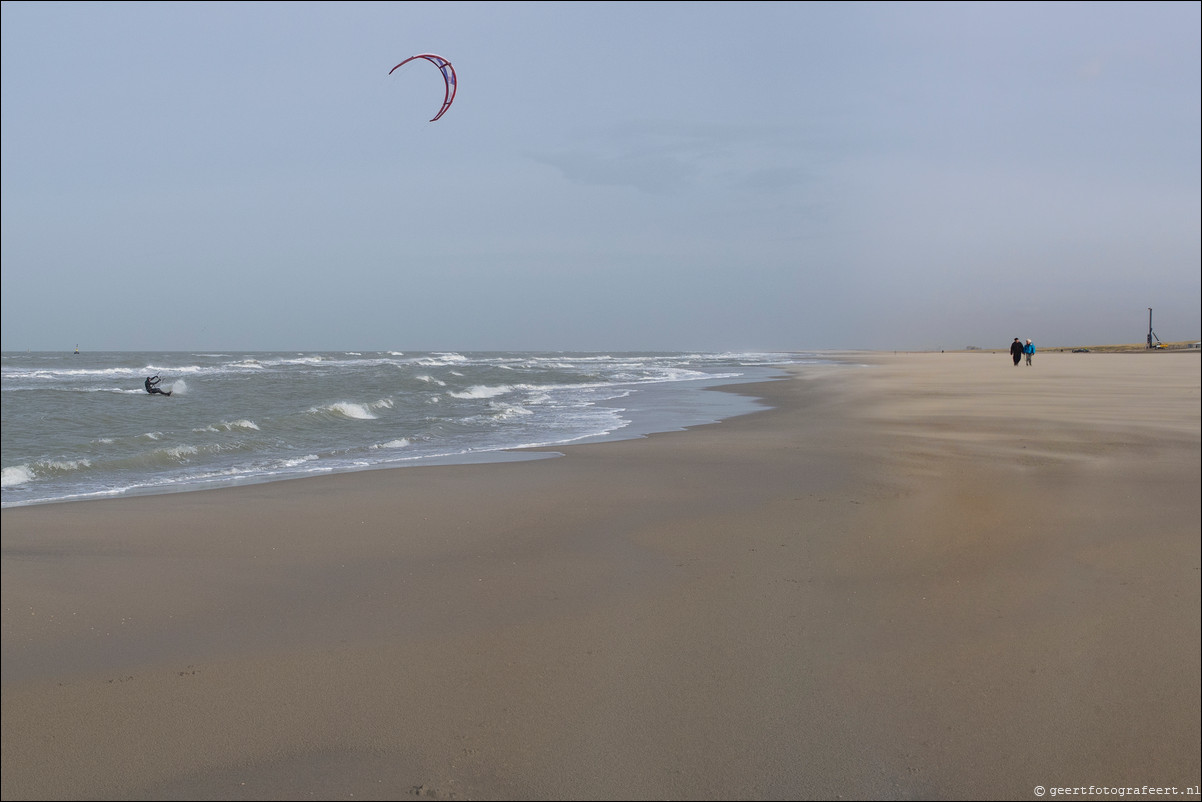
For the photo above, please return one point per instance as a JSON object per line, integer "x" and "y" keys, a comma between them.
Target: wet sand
{"x": 925, "y": 576}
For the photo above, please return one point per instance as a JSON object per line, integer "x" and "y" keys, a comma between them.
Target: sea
{"x": 82, "y": 426}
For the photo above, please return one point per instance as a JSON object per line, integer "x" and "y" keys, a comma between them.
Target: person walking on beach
{"x": 1016, "y": 351}
{"x": 1029, "y": 350}
{"x": 152, "y": 386}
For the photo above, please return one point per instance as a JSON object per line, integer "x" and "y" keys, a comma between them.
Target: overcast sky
{"x": 634, "y": 176}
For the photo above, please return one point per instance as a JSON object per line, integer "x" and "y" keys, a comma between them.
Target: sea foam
{"x": 16, "y": 475}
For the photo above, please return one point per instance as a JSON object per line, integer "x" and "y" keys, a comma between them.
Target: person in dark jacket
{"x": 152, "y": 386}
{"x": 1016, "y": 351}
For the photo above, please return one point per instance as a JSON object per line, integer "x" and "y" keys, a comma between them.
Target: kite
{"x": 448, "y": 74}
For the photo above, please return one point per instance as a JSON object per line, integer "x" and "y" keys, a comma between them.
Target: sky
{"x": 611, "y": 176}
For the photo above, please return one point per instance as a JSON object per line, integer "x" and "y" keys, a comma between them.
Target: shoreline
{"x": 634, "y": 409}
{"x": 938, "y": 576}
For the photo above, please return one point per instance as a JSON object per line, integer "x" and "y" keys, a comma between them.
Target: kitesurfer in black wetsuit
{"x": 152, "y": 386}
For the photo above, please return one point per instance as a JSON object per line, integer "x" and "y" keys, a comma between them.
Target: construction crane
{"x": 1152, "y": 334}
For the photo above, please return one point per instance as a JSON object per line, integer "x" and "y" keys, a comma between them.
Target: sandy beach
{"x": 928, "y": 575}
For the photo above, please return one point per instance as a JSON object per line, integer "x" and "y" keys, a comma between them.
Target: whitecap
{"x": 229, "y": 426}
{"x": 295, "y": 461}
{"x": 16, "y": 475}
{"x": 482, "y": 391}
{"x": 20, "y": 474}
{"x": 508, "y": 411}
{"x": 442, "y": 359}
{"x": 346, "y": 409}
{"x": 65, "y": 465}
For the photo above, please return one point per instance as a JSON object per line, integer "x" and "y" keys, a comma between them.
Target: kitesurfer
{"x": 152, "y": 387}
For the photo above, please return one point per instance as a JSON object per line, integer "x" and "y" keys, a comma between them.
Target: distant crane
{"x": 1152, "y": 334}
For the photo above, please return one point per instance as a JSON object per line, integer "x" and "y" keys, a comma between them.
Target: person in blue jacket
{"x": 1029, "y": 350}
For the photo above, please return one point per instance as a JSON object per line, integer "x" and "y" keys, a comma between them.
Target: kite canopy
{"x": 448, "y": 74}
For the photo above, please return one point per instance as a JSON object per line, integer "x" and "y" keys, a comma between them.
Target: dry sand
{"x": 930, "y": 576}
